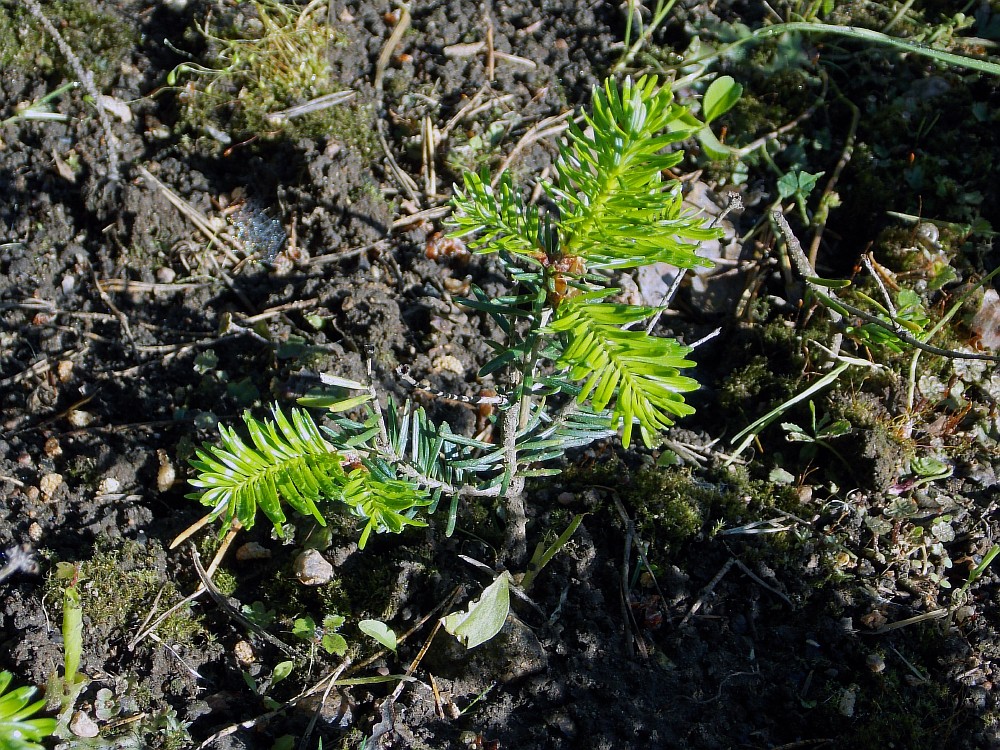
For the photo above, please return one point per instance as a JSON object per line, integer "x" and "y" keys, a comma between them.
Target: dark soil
{"x": 126, "y": 337}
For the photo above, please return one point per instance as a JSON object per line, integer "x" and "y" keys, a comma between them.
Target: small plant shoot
{"x": 573, "y": 364}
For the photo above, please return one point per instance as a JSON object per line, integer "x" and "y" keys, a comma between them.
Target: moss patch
{"x": 100, "y": 40}
{"x": 260, "y": 58}
{"x": 118, "y": 586}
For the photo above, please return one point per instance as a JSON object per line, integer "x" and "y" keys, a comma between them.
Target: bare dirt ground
{"x": 791, "y": 600}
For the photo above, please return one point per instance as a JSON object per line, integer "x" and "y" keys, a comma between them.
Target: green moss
{"x": 101, "y": 41}
{"x": 352, "y": 124}
{"x": 118, "y": 587}
{"x": 261, "y": 58}
{"x": 225, "y": 582}
{"x": 746, "y": 383}
{"x": 83, "y": 470}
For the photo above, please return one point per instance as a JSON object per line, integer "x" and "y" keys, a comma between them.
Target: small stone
{"x": 108, "y": 486}
{"x": 79, "y": 418}
{"x": 963, "y": 613}
{"x": 165, "y": 275}
{"x": 52, "y": 448}
{"x": 874, "y": 620}
{"x": 35, "y": 532}
{"x": 68, "y": 283}
{"x": 64, "y": 370}
{"x": 49, "y": 484}
{"x": 846, "y": 704}
{"x": 565, "y": 498}
{"x": 448, "y": 363}
{"x": 312, "y": 569}
{"x": 83, "y": 726}
{"x": 166, "y": 475}
{"x": 244, "y": 654}
{"x": 116, "y": 107}
{"x": 875, "y": 663}
{"x": 253, "y": 551}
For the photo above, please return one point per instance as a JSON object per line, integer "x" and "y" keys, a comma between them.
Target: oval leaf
{"x": 485, "y": 616}
{"x": 720, "y": 97}
{"x": 380, "y": 632}
{"x": 281, "y": 671}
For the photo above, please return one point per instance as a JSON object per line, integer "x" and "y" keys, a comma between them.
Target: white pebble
{"x": 83, "y": 726}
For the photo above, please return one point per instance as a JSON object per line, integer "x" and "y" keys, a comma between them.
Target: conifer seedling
{"x": 573, "y": 363}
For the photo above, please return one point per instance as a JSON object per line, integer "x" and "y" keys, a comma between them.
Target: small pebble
{"x": 83, "y": 726}
{"x": 875, "y": 663}
{"x": 165, "y": 275}
{"x": 448, "y": 363}
{"x": 312, "y": 569}
{"x": 49, "y": 484}
{"x": 108, "y": 486}
{"x": 52, "y": 448}
{"x": 35, "y": 532}
{"x": 79, "y": 418}
{"x": 928, "y": 235}
{"x": 244, "y": 653}
{"x": 565, "y": 498}
{"x": 846, "y": 704}
{"x": 166, "y": 475}
{"x": 964, "y": 613}
{"x": 68, "y": 283}
{"x": 64, "y": 370}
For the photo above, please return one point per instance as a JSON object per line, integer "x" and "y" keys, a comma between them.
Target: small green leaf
{"x": 484, "y": 617}
{"x": 281, "y": 671}
{"x": 380, "y": 632}
{"x": 781, "y": 476}
{"x": 333, "y": 622}
{"x": 930, "y": 467}
{"x": 712, "y": 146}
{"x": 345, "y": 404}
{"x": 795, "y": 433}
{"x": 259, "y": 614}
{"x": 304, "y": 628}
{"x": 334, "y": 643}
{"x": 72, "y": 632}
{"x": 720, "y": 97}
{"x": 837, "y": 429}
{"x": 829, "y": 283}
{"x": 206, "y": 361}
{"x": 797, "y": 184}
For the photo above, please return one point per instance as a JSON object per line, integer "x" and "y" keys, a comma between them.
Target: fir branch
{"x": 499, "y": 217}
{"x": 290, "y": 462}
{"x": 638, "y": 372}
{"x": 616, "y": 211}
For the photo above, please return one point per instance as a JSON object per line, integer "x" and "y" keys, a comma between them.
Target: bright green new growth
{"x": 291, "y": 460}
{"x": 564, "y": 341}
{"x": 17, "y": 730}
{"x": 613, "y": 210}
